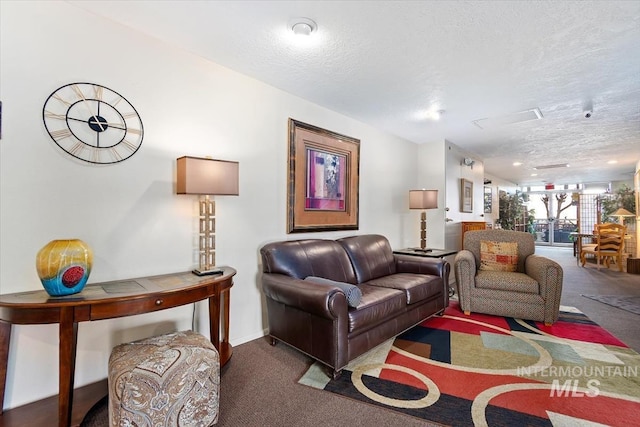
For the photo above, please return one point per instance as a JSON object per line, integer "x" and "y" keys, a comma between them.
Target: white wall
{"x": 129, "y": 212}
{"x": 455, "y": 171}
{"x": 431, "y": 176}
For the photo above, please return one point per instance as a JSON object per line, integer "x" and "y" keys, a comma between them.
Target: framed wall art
{"x": 466, "y": 195}
{"x": 488, "y": 199}
{"x": 323, "y": 183}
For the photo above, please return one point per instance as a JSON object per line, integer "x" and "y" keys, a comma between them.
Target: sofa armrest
{"x": 464, "y": 268}
{"x": 420, "y": 265}
{"x": 547, "y": 273}
{"x": 425, "y": 265}
{"x": 319, "y": 299}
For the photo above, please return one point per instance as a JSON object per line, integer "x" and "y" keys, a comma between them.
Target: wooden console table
{"x": 110, "y": 300}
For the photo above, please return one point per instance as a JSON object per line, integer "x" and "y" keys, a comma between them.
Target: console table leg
{"x": 227, "y": 310}
{"x": 67, "y": 364}
{"x": 5, "y": 338}
{"x": 219, "y": 319}
{"x": 214, "y": 320}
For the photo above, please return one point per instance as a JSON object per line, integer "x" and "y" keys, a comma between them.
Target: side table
{"x": 429, "y": 253}
{"x": 633, "y": 265}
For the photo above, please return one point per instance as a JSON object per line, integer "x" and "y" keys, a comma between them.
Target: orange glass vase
{"x": 64, "y": 266}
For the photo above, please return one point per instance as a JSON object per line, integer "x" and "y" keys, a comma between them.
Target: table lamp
{"x": 207, "y": 177}
{"x": 423, "y": 199}
{"x": 621, "y": 213}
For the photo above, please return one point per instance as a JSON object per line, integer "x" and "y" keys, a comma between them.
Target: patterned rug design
{"x": 629, "y": 303}
{"x": 482, "y": 370}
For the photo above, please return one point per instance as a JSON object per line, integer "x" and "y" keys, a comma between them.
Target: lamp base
{"x": 207, "y": 272}
{"x": 422, "y": 250}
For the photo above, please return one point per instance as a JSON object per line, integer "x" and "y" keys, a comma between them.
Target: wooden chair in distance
{"x": 609, "y": 245}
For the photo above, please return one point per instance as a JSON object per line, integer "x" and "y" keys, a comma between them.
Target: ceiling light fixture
{"x": 509, "y": 119}
{"x": 517, "y": 164}
{"x": 302, "y": 26}
{"x": 433, "y": 114}
{"x": 560, "y": 165}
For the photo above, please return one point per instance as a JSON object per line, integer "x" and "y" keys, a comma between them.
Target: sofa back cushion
{"x": 311, "y": 257}
{"x": 371, "y": 256}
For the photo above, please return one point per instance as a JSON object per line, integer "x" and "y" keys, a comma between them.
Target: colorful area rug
{"x": 482, "y": 370}
{"x": 628, "y": 303}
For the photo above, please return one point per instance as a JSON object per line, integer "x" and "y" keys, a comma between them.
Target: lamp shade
{"x": 622, "y": 212}
{"x": 197, "y": 175}
{"x": 423, "y": 199}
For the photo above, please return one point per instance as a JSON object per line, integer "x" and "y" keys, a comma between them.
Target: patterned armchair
{"x": 498, "y": 273}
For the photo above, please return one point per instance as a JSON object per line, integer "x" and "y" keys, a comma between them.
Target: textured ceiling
{"x": 385, "y": 62}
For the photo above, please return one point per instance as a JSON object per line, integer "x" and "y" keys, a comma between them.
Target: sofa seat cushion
{"x": 507, "y": 281}
{"x": 417, "y": 287}
{"x": 376, "y": 306}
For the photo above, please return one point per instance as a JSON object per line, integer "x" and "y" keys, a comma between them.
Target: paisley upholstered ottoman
{"x": 168, "y": 380}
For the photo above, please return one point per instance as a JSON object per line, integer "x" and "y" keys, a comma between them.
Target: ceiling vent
{"x": 559, "y": 165}
{"x": 509, "y": 119}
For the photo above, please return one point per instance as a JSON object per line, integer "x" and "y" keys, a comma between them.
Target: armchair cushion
{"x": 352, "y": 292}
{"x": 498, "y": 256}
{"x": 507, "y": 281}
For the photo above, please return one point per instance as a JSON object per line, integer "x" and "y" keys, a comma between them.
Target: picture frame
{"x": 323, "y": 180}
{"x": 488, "y": 199}
{"x": 466, "y": 195}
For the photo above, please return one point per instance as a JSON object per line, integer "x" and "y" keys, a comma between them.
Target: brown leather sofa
{"x": 397, "y": 292}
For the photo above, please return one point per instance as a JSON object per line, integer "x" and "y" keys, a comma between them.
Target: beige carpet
{"x": 623, "y": 302}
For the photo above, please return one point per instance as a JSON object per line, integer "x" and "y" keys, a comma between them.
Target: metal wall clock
{"x": 93, "y": 123}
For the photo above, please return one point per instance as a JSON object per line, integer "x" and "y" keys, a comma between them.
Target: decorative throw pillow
{"x": 352, "y": 292}
{"x": 498, "y": 256}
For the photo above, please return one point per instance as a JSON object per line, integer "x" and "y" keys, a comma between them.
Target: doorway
{"x": 555, "y": 217}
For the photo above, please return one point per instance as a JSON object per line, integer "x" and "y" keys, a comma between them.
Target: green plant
{"x": 512, "y": 208}
{"x": 623, "y": 197}
{"x": 531, "y": 220}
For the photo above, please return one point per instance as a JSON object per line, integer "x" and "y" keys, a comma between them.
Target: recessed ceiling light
{"x": 534, "y": 174}
{"x": 517, "y": 164}
{"x": 612, "y": 162}
{"x": 302, "y": 26}
{"x": 433, "y": 113}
